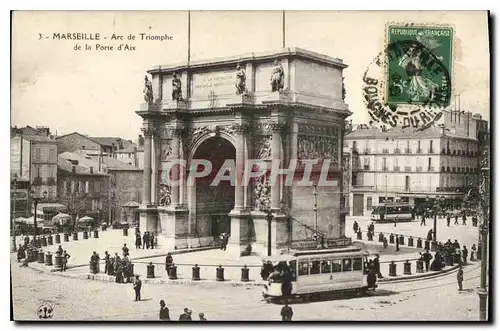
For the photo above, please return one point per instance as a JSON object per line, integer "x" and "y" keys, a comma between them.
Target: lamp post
{"x": 484, "y": 196}
{"x": 315, "y": 193}
{"x": 13, "y": 225}
{"x": 269, "y": 218}
{"x": 35, "y": 204}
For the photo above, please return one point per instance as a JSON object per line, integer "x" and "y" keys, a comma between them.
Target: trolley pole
{"x": 13, "y": 225}
{"x": 269, "y": 218}
{"x": 315, "y": 193}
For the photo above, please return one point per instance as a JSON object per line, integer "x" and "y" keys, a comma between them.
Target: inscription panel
{"x": 219, "y": 83}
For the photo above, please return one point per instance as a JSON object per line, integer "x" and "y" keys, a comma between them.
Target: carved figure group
{"x": 176, "y": 88}
{"x": 165, "y": 192}
{"x": 277, "y": 77}
{"x": 148, "y": 90}
{"x": 262, "y": 194}
{"x": 241, "y": 78}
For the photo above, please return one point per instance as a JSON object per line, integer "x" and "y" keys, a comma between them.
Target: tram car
{"x": 313, "y": 273}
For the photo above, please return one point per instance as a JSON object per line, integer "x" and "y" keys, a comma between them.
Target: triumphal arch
{"x": 278, "y": 107}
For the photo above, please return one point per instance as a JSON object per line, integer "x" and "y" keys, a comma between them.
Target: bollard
{"x": 401, "y": 240}
{"x": 220, "y": 274}
{"x": 407, "y": 268}
{"x": 66, "y": 237}
{"x": 419, "y": 243}
{"x": 58, "y": 261}
{"x": 44, "y": 241}
{"x": 392, "y": 269}
{"x": 151, "y": 270}
{"x": 131, "y": 266}
{"x": 41, "y": 257}
{"x": 427, "y": 244}
{"x": 75, "y": 235}
{"x": 96, "y": 233}
{"x": 172, "y": 272}
{"x": 391, "y": 238}
{"x": 125, "y": 232}
{"x": 103, "y": 227}
{"x": 420, "y": 266}
{"x": 380, "y": 237}
{"x": 58, "y": 238}
{"x": 244, "y": 274}
{"x": 410, "y": 242}
{"x": 359, "y": 235}
{"x": 48, "y": 259}
{"x": 50, "y": 241}
{"x": 196, "y": 272}
{"x": 85, "y": 235}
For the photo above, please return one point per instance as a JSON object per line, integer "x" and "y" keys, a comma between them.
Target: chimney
{"x": 91, "y": 170}
{"x": 73, "y": 169}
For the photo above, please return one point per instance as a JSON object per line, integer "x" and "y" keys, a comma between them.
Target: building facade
{"x": 408, "y": 165}
{"x": 276, "y": 106}
{"x": 127, "y": 187}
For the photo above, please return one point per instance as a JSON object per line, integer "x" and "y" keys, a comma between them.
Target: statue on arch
{"x": 277, "y": 77}
{"x": 343, "y": 89}
{"x": 148, "y": 91}
{"x": 176, "y": 88}
{"x": 241, "y": 78}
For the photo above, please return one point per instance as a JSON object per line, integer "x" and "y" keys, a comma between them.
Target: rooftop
{"x": 37, "y": 138}
{"x": 407, "y": 133}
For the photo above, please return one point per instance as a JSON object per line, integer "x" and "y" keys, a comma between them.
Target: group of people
{"x": 373, "y": 269}
{"x": 148, "y": 240}
{"x": 224, "y": 238}
{"x": 185, "y": 316}
{"x": 121, "y": 268}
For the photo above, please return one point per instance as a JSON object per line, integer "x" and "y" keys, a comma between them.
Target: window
{"x": 418, "y": 145}
{"x": 346, "y": 264}
{"x": 384, "y": 163}
{"x": 73, "y": 186}
{"x": 430, "y": 147}
{"x": 315, "y": 264}
{"x": 336, "y": 266}
{"x": 87, "y": 186}
{"x": 354, "y": 145}
{"x": 37, "y": 154}
{"x": 357, "y": 264}
{"x": 303, "y": 268}
{"x": 326, "y": 266}
{"x": 430, "y": 162}
{"x": 52, "y": 154}
{"x": 97, "y": 187}
{"x": 369, "y": 202}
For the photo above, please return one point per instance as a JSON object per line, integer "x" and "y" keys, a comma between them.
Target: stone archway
{"x": 211, "y": 204}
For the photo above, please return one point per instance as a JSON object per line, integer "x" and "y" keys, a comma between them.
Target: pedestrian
{"x": 225, "y": 239}
{"x": 125, "y": 250}
{"x": 448, "y": 220}
{"x": 20, "y": 253}
{"x": 202, "y": 317}
{"x": 59, "y": 250}
{"x": 397, "y": 243}
{"x": 137, "y": 288}
{"x": 464, "y": 219}
{"x": 386, "y": 244}
{"x": 145, "y": 240}
{"x": 66, "y": 257}
{"x": 473, "y": 252}
{"x": 355, "y": 227}
{"x": 427, "y": 257}
{"x": 107, "y": 261}
{"x": 186, "y": 315}
{"x": 152, "y": 241}
{"x": 116, "y": 262}
{"x": 138, "y": 242}
{"x": 376, "y": 264}
{"x": 286, "y": 312}
{"x": 422, "y": 222}
{"x": 429, "y": 235}
{"x": 465, "y": 254}
{"x": 456, "y": 245}
{"x": 119, "y": 273}
{"x": 164, "y": 312}
{"x": 460, "y": 278}
{"x": 169, "y": 261}
{"x": 456, "y": 219}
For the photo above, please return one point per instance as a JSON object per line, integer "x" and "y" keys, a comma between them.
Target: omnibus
{"x": 315, "y": 272}
{"x": 390, "y": 212}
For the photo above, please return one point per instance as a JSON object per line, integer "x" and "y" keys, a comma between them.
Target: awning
{"x": 85, "y": 219}
{"x": 61, "y": 218}
{"x": 132, "y": 204}
{"x": 51, "y": 207}
{"x": 31, "y": 220}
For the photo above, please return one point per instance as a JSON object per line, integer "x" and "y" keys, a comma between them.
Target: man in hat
{"x": 137, "y": 288}
{"x": 125, "y": 250}
{"x": 164, "y": 312}
{"x": 66, "y": 257}
{"x": 186, "y": 315}
{"x": 286, "y": 312}
{"x": 202, "y": 317}
{"x": 460, "y": 278}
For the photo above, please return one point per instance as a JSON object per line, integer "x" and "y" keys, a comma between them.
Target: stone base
{"x": 173, "y": 226}
{"x": 274, "y": 97}
{"x": 182, "y": 104}
{"x": 279, "y": 233}
{"x": 148, "y": 219}
{"x": 240, "y": 232}
{"x": 241, "y": 99}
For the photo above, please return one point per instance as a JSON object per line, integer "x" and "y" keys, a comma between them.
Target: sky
{"x": 97, "y": 92}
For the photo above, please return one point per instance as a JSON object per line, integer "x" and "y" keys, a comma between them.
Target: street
{"x": 75, "y": 299}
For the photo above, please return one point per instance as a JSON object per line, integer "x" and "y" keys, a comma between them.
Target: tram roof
{"x": 293, "y": 254}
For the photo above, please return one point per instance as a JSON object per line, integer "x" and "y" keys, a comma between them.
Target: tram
{"x": 392, "y": 212}
{"x": 314, "y": 272}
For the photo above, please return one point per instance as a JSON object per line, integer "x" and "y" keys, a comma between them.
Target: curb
{"x": 416, "y": 277}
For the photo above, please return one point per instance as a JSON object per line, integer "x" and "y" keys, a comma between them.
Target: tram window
{"x": 347, "y": 265}
{"x": 303, "y": 268}
{"x": 315, "y": 267}
{"x": 357, "y": 264}
{"x": 293, "y": 266}
{"x": 326, "y": 266}
{"x": 336, "y": 266}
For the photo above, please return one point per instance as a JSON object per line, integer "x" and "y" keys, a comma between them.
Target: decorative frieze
{"x": 313, "y": 129}
{"x": 318, "y": 148}
{"x": 166, "y": 149}
{"x": 263, "y": 147}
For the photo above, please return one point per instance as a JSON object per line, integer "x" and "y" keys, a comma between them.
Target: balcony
{"x": 366, "y": 151}
{"x": 454, "y": 152}
{"x": 358, "y": 188}
{"x": 354, "y": 150}
{"x": 448, "y": 151}
{"x": 448, "y": 169}
{"x": 385, "y": 151}
{"x": 419, "y": 151}
{"x": 430, "y": 168}
{"x": 430, "y": 151}
{"x": 384, "y": 168}
{"x": 51, "y": 181}
{"x": 443, "y": 169}
{"x": 443, "y": 151}
{"x": 454, "y": 169}
{"x": 418, "y": 169}
{"x": 397, "y": 168}
{"x": 37, "y": 181}
{"x": 397, "y": 151}
{"x": 366, "y": 167}
{"x": 408, "y": 151}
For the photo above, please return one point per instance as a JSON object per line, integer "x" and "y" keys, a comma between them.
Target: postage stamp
{"x": 410, "y": 82}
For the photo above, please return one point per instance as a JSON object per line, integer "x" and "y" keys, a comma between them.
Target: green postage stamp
{"x": 411, "y": 76}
